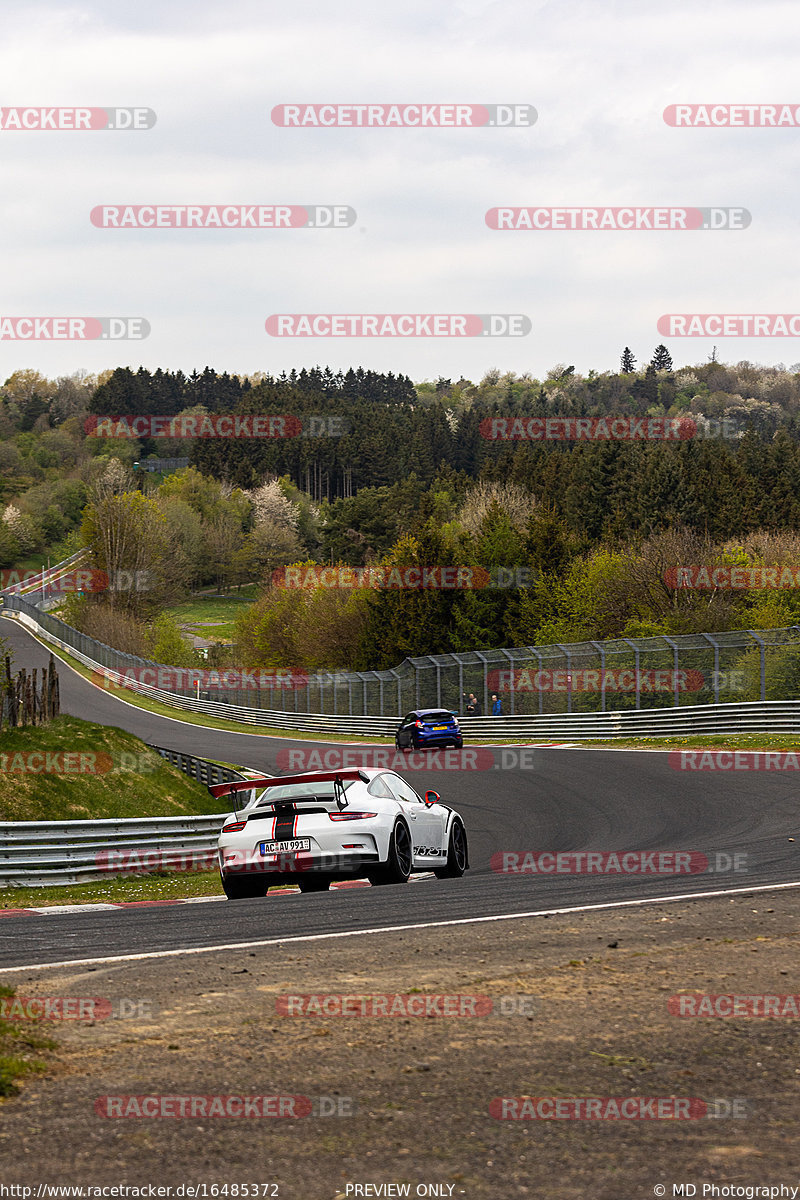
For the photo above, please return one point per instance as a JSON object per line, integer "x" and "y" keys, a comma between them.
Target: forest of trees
{"x": 413, "y": 480}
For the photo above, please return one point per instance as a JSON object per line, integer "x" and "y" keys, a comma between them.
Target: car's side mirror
{"x": 432, "y": 798}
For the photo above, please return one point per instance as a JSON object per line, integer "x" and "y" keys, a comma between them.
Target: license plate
{"x": 288, "y": 847}
{"x": 438, "y": 728}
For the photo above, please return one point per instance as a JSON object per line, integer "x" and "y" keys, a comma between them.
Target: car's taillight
{"x": 418, "y": 724}
{"x": 233, "y": 826}
{"x": 350, "y": 816}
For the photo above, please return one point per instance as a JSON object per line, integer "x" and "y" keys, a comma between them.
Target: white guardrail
{"x": 52, "y": 853}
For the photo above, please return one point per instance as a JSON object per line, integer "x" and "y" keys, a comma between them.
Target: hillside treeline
{"x": 593, "y": 524}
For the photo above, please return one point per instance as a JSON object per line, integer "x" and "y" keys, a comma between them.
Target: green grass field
{"x": 213, "y": 616}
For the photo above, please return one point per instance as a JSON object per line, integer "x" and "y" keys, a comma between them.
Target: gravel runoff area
{"x": 579, "y": 1007}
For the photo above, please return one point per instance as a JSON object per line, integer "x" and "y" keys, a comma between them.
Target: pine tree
{"x": 627, "y": 364}
{"x": 662, "y": 359}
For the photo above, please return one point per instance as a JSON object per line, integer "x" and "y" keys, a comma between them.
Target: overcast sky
{"x": 599, "y": 75}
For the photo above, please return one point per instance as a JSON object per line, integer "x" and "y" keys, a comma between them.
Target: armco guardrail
{"x": 37, "y": 587}
{"x": 199, "y": 768}
{"x": 48, "y": 853}
{"x": 52, "y": 853}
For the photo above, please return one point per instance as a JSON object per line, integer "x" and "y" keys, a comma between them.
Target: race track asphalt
{"x": 556, "y": 800}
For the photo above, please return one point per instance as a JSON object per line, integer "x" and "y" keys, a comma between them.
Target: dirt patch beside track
{"x": 591, "y": 1019}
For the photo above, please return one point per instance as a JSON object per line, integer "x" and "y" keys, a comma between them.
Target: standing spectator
{"x": 497, "y": 705}
{"x": 469, "y": 707}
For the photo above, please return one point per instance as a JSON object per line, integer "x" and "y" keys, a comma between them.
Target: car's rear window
{"x": 299, "y": 791}
{"x": 437, "y": 718}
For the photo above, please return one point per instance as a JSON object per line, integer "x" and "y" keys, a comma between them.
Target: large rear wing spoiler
{"x": 265, "y": 781}
{"x": 337, "y": 778}
{"x": 238, "y": 785}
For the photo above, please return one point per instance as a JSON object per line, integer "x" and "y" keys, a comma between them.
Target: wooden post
{"x": 9, "y": 686}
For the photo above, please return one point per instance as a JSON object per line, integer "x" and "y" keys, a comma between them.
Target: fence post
{"x": 511, "y": 704}
{"x": 565, "y": 650}
{"x": 602, "y": 652}
{"x": 636, "y": 668}
{"x": 763, "y": 671}
{"x": 715, "y": 644}
{"x": 676, "y": 693}
{"x": 533, "y": 650}
{"x": 485, "y": 662}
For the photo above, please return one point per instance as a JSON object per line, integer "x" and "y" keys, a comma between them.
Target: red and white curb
{"x": 58, "y": 909}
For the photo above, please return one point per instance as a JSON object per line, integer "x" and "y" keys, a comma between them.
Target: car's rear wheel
{"x": 314, "y": 883}
{"x": 397, "y": 867}
{"x": 244, "y": 887}
{"x": 457, "y": 857}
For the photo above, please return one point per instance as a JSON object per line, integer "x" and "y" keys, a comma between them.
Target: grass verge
{"x": 116, "y": 891}
{"x": 19, "y": 1046}
{"x": 715, "y": 741}
{"x": 72, "y": 769}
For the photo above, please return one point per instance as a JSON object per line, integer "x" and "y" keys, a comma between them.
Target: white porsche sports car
{"x": 311, "y": 829}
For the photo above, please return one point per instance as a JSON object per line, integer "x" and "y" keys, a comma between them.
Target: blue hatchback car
{"x": 426, "y": 728}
